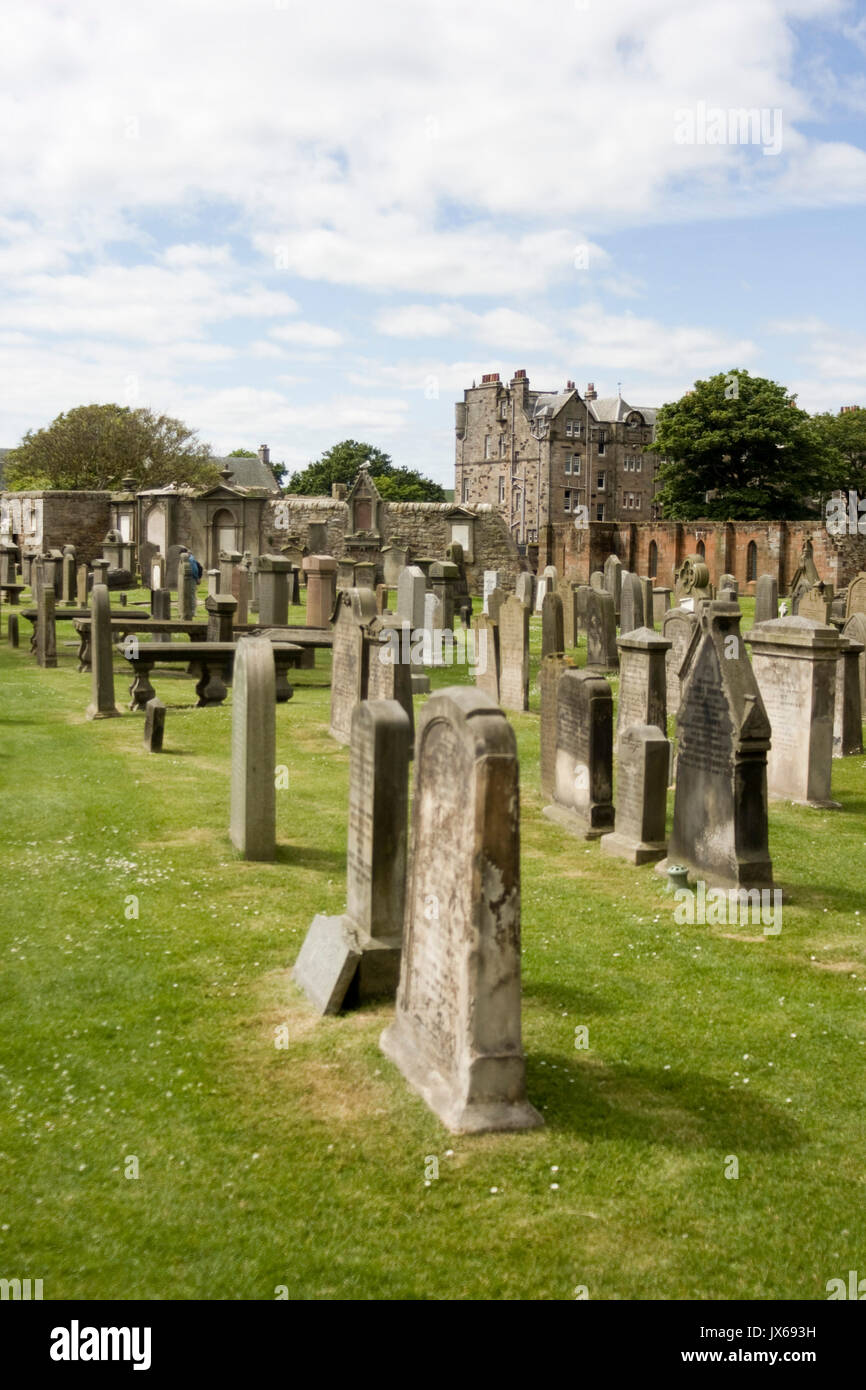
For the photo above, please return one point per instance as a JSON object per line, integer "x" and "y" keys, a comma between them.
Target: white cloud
{"x": 314, "y": 335}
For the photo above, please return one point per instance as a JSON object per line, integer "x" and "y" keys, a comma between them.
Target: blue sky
{"x": 295, "y": 225}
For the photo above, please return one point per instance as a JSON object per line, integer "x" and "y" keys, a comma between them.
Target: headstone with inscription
{"x": 514, "y": 655}
{"x": 456, "y": 1031}
{"x": 856, "y": 600}
{"x": 613, "y": 580}
{"x": 794, "y": 661}
{"x": 350, "y": 655}
{"x": 567, "y": 592}
{"x": 642, "y": 693}
{"x": 347, "y": 959}
{"x": 641, "y": 796}
{"x": 766, "y": 599}
{"x": 253, "y": 795}
{"x": 552, "y": 626}
{"x": 486, "y": 637}
{"x": 583, "y": 776}
{"x": 723, "y": 733}
{"x": 601, "y": 648}
{"x": 525, "y": 588}
{"x": 682, "y": 629}
{"x": 411, "y": 588}
{"x": 848, "y": 712}
{"x": 630, "y": 603}
{"x": 817, "y": 603}
{"x": 855, "y": 628}
{"x": 549, "y": 676}
{"x": 661, "y": 604}
{"x": 389, "y": 664}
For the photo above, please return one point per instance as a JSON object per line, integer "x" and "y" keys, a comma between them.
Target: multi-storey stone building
{"x": 545, "y": 458}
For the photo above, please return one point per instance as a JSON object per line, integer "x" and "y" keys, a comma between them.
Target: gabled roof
{"x": 249, "y": 473}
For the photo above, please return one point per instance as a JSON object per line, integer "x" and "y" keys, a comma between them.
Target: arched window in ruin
{"x": 701, "y": 549}
{"x": 751, "y": 562}
{"x": 653, "y": 560}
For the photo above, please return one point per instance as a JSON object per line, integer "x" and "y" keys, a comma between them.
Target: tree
{"x": 342, "y": 463}
{"x": 845, "y": 436}
{"x": 93, "y": 447}
{"x": 738, "y": 448}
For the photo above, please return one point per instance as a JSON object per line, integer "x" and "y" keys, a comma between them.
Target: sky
{"x": 293, "y": 224}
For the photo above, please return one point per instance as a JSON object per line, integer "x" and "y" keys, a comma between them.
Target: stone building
{"x": 550, "y": 457}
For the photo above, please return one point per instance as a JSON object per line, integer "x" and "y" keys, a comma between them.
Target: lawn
{"x": 150, "y": 1025}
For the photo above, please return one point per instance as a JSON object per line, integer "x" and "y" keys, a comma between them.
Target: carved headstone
{"x": 848, "y": 714}
{"x": 661, "y": 604}
{"x": 549, "y": 676}
{"x": 856, "y": 601}
{"x": 355, "y": 610}
{"x": 321, "y": 572}
{"x": 766, "y": 599}
{"x": 486, "y": 636}
{"x": 552, "y": 626}
{"x": 583, "y": 780}
{"x": 641, "y": 796}
{"x": 682, "y": 629}
{"x": 642, "y": 687}
{"x": 253, "y": 796}
{"x": 630, "y": 603}
{"x": 601, "y": 648}
{"x": 855, "y": 628}
{"x": 514, "y": 655}
{"x": 525, "y": 588}
{"x": 456, "y": 1032}
{"x": 613, "y": 580}
{"x": 411, "y": 588}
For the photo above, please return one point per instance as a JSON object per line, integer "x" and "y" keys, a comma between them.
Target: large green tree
{"x": 342, "y": 463}
{"x": 93, "y": 447}
{"x": 845, "y": 436}
{"x": 738, "y": 447}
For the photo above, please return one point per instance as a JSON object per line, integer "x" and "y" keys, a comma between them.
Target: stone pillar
{"x": 641, "y": 796}
{"x": 254, "y": 705}
{"x": 213, "y": 583}
{"x": 46, "y": 632}
{"x": 274, "y": 590}
{"x": 228, "y": 560}
{"x": 321, "y": 572}
{"x": 160, "y": 607}
{"x": 443, "y": 581}
{"x": 154, "y": 725}
{"x": 68, "y": 582}
{"x": 100, "y": 572}
{"x": 102, "y": 704}
{"x": 81, "y": 577}
{"x": 642, "y": 681}
{"x": 848, "y": 715}
{"x": 241, "y": 617}
{"x": 646, "y": 589}
{"x": 221, "y": 610}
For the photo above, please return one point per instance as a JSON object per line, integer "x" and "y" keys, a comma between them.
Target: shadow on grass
{"x": 682, "y": 1110}
{"x": 307, "y": 856}
{"x": 556, "y": 995}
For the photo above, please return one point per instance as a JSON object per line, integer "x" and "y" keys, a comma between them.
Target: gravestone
{"x": 567, "y": 592}
{"x": 348, "y": 959}
{"x": 68, "y": 581}
{"x": 221, "y": 609}
{"x": 495, "y": 600}
{"x": 630, "y": 603}
{"x": 855, "y": 628}
{"x": 601, "y": 648}
{"x": 434, "y": 632}
{"x": 596, "y": 581}
{"x": 254, "y": 703}
{"x": 766, "y": 599}
{"x": 365, "y": 574}
{"x": 354, "y": 611}
{"x": 394, "y": 560}
{"x": 389, "y": 665}
{"x": 456, "y": 1031}
{"x": 187, "y": 599}
{"x": 228, "y": 560}
{"x": 682, "y": 629}
{"x": 661, "y": 604}
{"x": 848, "y": 710}
{"x": 172, "y": 569}
{"x": 525, "y": 588}
{"x": 213, "y": 583}
{"x": 723, "y": 733}
{"x": 12, "y": 629}
{"x": 794, "y": 661}
{"x": 241, "y": 590}
{"x": 274, "y": 590}
{"x": 583, "y": 777}
{"x": 541, "y": 587}
{"x": 81, "y": 576}
{"x": 816, "y": 603}
{"x": 648, "y": 610}
{"x": 552, "y": 626}
{"x": 613, "y": 580}
{"x": 158, "y": 573}
{"x": 641, "y": 796}
{"x": 514, "y": 654}
{"x": 160, "y": 607}
{"x": 581, "y": 601}
{"x": 728, "y": 581}
{"x": 154, "y": 725}
{"x": 443, "y": 579}
{"x": 549, "y": 676}
{"x": 551, "y": 574}
{"x": 411, "y": 588}
{"x": 321, "y": 572}
{"x": 318, "y": 542}
{"x": 346, "y": 574}
{"x": 102, "y": 704}
{"x": 693, "y": 580}
{"x": 492, "y": 579}
{"x": 486, "y": 636}
{"x": 642, "y": 686}
{"x": 46, "y": 631}
{"x": 856, "y": 600}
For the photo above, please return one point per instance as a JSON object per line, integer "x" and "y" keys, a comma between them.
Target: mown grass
{"x": 304, "y": 1166}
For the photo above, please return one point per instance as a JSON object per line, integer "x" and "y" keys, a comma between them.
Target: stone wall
{"x": 81, "y": 519}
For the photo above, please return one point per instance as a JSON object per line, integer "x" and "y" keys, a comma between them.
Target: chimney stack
{"x": 590, "y": 394}
{"x": 264, "y": 453}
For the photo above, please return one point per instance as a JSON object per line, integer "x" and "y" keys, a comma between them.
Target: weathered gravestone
{"x": 794, "y": 661}
{"x": 213, "y": 583}
{"x": 355, "y": 610}
{"x": 723, "y": 733}
{"x": 434, "y": 645}
{"x": 856, "y": 600}
{"x": 641, "y": 796}
{"x": 186, "y": 590}
{"x": 524, "y": 588}
{"x": 568, "y": 592}
{"x": 855, "y": 628}
{"x": 583, "y": 778}
{"x": 345, "y": 960}
{"x": 646, "y": 589}
{"x": 682, "y": 629}
{"x": 552, "y": 626}
{"x": 492, "y": 579}
{"x": 766, "y": 599}
{"x": 389, "y": 666}
{"x": 549, "y": 676}
{"x": 601, "y": 649}
{"x": 486, "y": 637}
{"x": 411, "y": 588}
{"x": 241, "y": 591}
{"x": 254, "y": 704}
{"x": 693, "y": 580}
{"x": 443, "y": 578}
{"x": 102, "y": 704}
{"x": 848, "y": 712}
{"x": 228, "y": 561}
{"x": 321, "y": 572}
{"x": 154, "y": 725}
{"x": 495, "y": 600}
{"x": 46, "y": 631}
{"x": 274, "y": 590}
{"x": 728, "y": 581}
{"x": 816, "y": 603}
{"x": 81, "y": 576}
{"x": 394, "y": 560}
{"x": 12, "y": 629}
{"x": 613, "y": 580}
{"x": 661, "y": 604}
{"x": 514, "y": 654}
{"x": 68, "y": 580}
{"x": 221, "y": 609}
{"x": 551, "y": 574}
{"x": 642, "y": 681}
{"x": 630, "y": 603}
{"x": 581, "y": 601}
{"x": 596, "y": 581}
{"x": 456, "y": 1031}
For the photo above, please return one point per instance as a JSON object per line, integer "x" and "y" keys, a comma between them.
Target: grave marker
{"x": 848, "y": 710}
{"x": 766, "y": 599}
{"x": 641, "y": 796}
{"x": 552, "y": 626}
{"x": 254, "y": 704}
{"x": 154, "y": 725}
{"x": 355, "y": 610}
{"x": 601, "y": 648}
{"x": 514, "y": 654}
{"x": 102, "y": 704}
{"x": 583, "y": 778}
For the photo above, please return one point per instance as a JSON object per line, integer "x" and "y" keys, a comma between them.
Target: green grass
{"x": 304, "y": 1166}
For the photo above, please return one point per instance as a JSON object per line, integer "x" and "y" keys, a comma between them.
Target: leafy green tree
{"x": 845, "y": 436}
{"x": 737, "y": 447}
{"x": 342, "y": 463}
{"x": 93, "y": 447}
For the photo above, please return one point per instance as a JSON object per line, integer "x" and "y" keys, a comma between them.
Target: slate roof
{"x": 249, "y": 473}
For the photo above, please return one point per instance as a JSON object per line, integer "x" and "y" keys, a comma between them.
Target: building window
{"x": 575, "y": 464}
{"x": 653, "y": 560}
{"x": 465, "y": 489}
{"x": 568, "y": 499}
{"x": 487, "y": 446}
{"x": 601, "y": 481}
{"x": 569, "y": 424}
{"x": 515, "y": 502}
{"x": 638, "y": 463}
{"x": 751, "y": 562}
{"x": 701, "y": 549}
{"x": 638, "y": 502}
{"x": 600, "y": 445}
{"x": 599, "y": 511}
{"x": 568, "y": 463}
{"x": 625, "y": 499}
{"x": 501, "y": 489}
{"x": 503, "y": 410}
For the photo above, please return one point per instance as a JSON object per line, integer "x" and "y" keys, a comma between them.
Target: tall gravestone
{"x": 186, "y": 590}
{"x": 213, "y": 583}
{"x": 567, "y": 592}
{"x": 495, "y": 600}
{"x": 647, "y": 608}
{"x": 630, "y": 603}
{"x": 642, "y": 685}
{"x": 682, "y": 629}
{"x": 596, "y": 581}
{"x": 601, "y": 648}
{"x": 46, "y": 630}
{"x": 856, "y": 599}
{"x": 524, "y": 588}
{"x": 855, "y": 629}
{"x": 228, "y": 561}
{"x": 552, "y": 626}
{"x": 456, "y": 1030}
{"x": 581, "y": 602}
{"x": 81, "y": 576}
{"x": 254, "y": 705}
{"x": 492, "y": 579}
{"x": 321, "y": 572}
{"x": 723, "y": 733}
{"x": 661, "y": 604}
{"x": 102, "y": 704}
{"x": 848, "y": 713}
{"x": 12, "y": 629}
{"x": 486, "y": 637}
{"x": 242, "y": 594}
{"x": 613, "y": 580}
{"x": 274, "y": 590}
{"x": 542, "y": 584}
{"x": 444, "y": 577}
{"x": 766, "y": 599}
{"x": 583, "y": 778}
{"x": 347, "y": 959}
{"x": 794, "y": 661}
{"x": 641, "y": 796}
{"x": 514, "y": 655}
{"x": 549, "y": 677}
{"x": 389, "y": 665}
{"x": 411, "y": 588}
{"x": 68, "y": 583}
{"x": 350, "y": 655}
